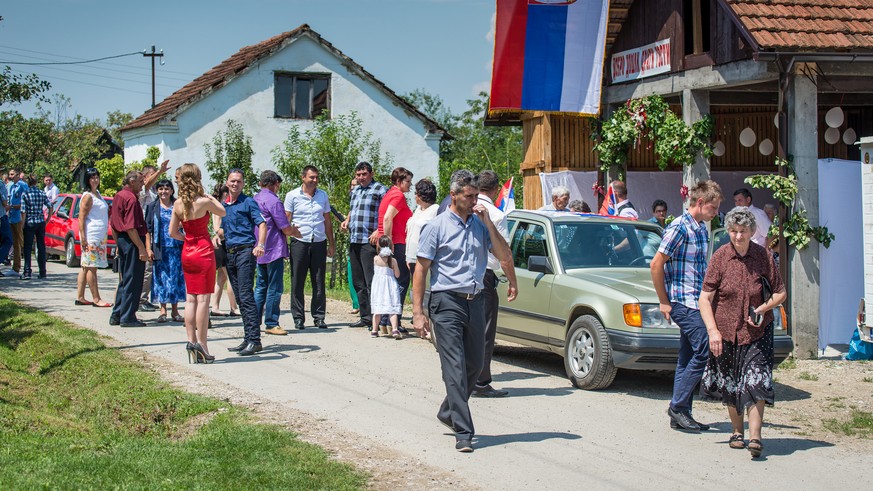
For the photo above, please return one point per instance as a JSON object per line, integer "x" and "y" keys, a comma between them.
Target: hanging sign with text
{"x": 641, "y": 62}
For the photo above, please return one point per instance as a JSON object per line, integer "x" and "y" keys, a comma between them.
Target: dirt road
{"x": 373, "y": 402}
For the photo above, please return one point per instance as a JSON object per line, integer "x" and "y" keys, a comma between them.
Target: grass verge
{"x": 860, "y": 423}
{"x": 76, "y": 414}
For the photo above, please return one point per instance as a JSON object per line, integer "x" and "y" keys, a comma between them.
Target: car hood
{"x": 636, "y": 282}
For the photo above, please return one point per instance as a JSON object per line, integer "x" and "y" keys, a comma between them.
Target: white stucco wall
{"x": 249, "y": 100}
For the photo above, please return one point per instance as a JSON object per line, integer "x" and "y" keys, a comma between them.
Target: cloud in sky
{"x": 485, "y": 85}
{"x": 492, "y": 31}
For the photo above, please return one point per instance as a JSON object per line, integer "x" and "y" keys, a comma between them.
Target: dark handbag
{"x": 766, "y": 289}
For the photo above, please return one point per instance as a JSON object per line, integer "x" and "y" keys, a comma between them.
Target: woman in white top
{"x": 93, "y": 226}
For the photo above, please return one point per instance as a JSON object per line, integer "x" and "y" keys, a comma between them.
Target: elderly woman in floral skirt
{"x": 739, "y": 321}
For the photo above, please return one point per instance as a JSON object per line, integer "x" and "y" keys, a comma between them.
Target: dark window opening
{"x": 301, "y": 96}
{"x": 696, "y": 19}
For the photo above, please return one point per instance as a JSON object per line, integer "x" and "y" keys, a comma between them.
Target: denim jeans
{"x": 693, "y": 355}
{"x": 268, "y": 291}
{"x": 34, "y": 237}
{"x": 5, "y": 238}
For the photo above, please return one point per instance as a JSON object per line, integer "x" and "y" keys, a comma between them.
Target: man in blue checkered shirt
{"x": 32, "y": 202}
{"x": 678, "y": 269}
{"x": 362, "y": 224}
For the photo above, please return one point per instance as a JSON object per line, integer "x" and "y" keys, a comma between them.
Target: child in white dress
{"x": 385, "y": 291}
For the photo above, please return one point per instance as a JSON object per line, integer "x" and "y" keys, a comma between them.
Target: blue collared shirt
{"x": 364, "y": 211}
{"x": 458, "y": 251}
{"x": 243, "y": 215}
{"x": 685, "y": 242}
{"x": 16, "y": 191}
{"x": 4, "y": 200}
{"x": 308, "y": 213}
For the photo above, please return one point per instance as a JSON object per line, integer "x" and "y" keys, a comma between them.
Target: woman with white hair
{"x": 560, "y": 199}
{"x": 741, "y": 288}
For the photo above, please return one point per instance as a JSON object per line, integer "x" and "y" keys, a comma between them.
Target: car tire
{"x": 588, "y": 355}
{"x": 70, "y": 253}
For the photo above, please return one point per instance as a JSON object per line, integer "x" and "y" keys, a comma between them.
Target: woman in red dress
{"x": 192, "y": 211}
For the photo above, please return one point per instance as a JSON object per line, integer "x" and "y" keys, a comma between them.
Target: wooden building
{"x": 776, "y": 66}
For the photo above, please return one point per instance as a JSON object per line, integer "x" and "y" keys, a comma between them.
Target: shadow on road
{"x": 484, "y": 441}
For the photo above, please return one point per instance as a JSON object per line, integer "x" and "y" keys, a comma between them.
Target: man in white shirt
{"x": 742, "y": 197}
{"x": 489, "y": 188}
{"x": 51, "y": 191}
{"x": 623, "y": 206}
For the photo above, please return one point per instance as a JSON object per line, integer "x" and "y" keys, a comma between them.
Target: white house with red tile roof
{"x": 268, "y": 87}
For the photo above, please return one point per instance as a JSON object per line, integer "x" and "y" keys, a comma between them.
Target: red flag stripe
{"x": 509, "y": 42}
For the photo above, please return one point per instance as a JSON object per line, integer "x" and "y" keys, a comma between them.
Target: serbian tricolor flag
{"x": 548, "y": 56}
{"x": 608, "y": 206}
{"x": 506, "y": 199}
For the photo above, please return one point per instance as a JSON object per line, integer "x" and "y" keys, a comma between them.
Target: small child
{"x": 385, "y": 292}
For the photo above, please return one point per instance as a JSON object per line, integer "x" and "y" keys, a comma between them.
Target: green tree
{"x": 111, "y": 174}
{"x": 432, "y": 106}
{"x": 15, "y": 89}
{"x": 334, "y": 145}
{"x": 115, "y": 120}
{"x": 477, "y": 147}
{"x": 231, "y": 149}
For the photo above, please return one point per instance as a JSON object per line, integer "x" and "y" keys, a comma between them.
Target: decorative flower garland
{"x": 649, "y": 120}
{"x": 796, "y": 229}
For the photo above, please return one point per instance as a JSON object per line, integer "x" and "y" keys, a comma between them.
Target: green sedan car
{"x": 586, "y": 293}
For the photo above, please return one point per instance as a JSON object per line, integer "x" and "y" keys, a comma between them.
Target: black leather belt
{"x": 463, "y": 296}
{"x": 235, "y": 249}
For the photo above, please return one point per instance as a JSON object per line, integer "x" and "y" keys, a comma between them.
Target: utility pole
{"x": 154, "y": 55}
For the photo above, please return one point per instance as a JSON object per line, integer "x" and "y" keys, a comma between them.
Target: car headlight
{"x": 645, "y": 315}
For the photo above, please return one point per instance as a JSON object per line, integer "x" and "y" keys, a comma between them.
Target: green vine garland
{"x": 796, "y": 230}
{"x": 649, "y": 120}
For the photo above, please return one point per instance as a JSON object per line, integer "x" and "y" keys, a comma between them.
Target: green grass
{"x": 76, "y": 414}
{"x": 860, "y": 423}
{"x": 808, "y": 376}
{"x": 868, "y": 379}
{"x": 787, "y": 364}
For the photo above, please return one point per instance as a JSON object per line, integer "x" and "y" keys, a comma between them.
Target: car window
{"x": 57, "y": 203}
{"x": 65, "y": 205}
{"x": 595, "y": 245}
{"x": 528, "y": 240}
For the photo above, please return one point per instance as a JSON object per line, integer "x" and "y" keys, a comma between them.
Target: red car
{"x": 62, "y": 230}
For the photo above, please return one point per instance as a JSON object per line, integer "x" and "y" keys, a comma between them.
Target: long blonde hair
{"x": 190, "y": 188}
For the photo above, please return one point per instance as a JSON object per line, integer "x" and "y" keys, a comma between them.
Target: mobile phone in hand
{"x": 756, "y": 317}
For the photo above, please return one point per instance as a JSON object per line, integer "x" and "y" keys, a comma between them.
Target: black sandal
{"x": 736, "y": 441}
{"x": 756, "y": 448}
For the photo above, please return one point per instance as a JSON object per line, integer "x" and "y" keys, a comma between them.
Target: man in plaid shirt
{"x": 678, "y": 269}
{"x": 362, "y": 224}
{"x": 32, "y": 202}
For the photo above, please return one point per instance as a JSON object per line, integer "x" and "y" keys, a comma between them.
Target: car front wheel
{"x": 70, "y": 253}
{"x": 588, "y": 355}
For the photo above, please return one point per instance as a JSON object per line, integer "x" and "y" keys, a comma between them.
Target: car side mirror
{"x": 540, "y": 264}
{"x": 62, "y": 214}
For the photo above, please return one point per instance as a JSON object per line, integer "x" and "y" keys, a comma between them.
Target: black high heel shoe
{"x": 192, "y": 355}
{"x": 202, "y": 355}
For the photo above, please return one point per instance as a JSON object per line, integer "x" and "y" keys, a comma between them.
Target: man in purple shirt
{"x": 271, "y": 266}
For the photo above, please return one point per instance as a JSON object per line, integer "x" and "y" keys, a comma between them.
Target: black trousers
{"x": 459, "y": 326}
{"x": 34, "y": 231}
{"x": 491, "y": 303}
{"x": 131, "y": 270}
{"x": 361, "y": 256}
{"x": 308, "y": 258}
{"x": 241, "y": 265}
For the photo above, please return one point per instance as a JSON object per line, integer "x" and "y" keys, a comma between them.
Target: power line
{"x": 112, "y": 70}
{"x": 108, "y": 77}
{"x": 137, "y": 67}
{"x": 70, "y": 62}
{"x": 124, "y": 89}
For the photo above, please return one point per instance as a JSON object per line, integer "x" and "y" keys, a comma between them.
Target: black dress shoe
{"x": 299, "y": 325}
{"x": 403, "y": 330}
{"x": 319, "y": 323}
{"x": 251, "y": 349}
{"x": 136, "y": 323}
{"x": 683, "y": 421}
{"x": 465, "y": 446}
{"x": 147, "y": 307}
{"x": 239, "y": 347}
{"x": 489, "y": 392}
{"x": 360, "y": 323}
{"x": 113, "y": 321}
{"x": 703, "y": 427}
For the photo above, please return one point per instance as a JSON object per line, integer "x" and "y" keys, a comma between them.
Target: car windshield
{"x": 597, "y": 245}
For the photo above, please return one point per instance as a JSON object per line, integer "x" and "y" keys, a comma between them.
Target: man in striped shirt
{"x": 677, "y": 273}
{"x": 32, "y": 202}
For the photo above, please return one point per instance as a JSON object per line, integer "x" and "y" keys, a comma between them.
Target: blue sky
{"x": 441, "y": 46}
